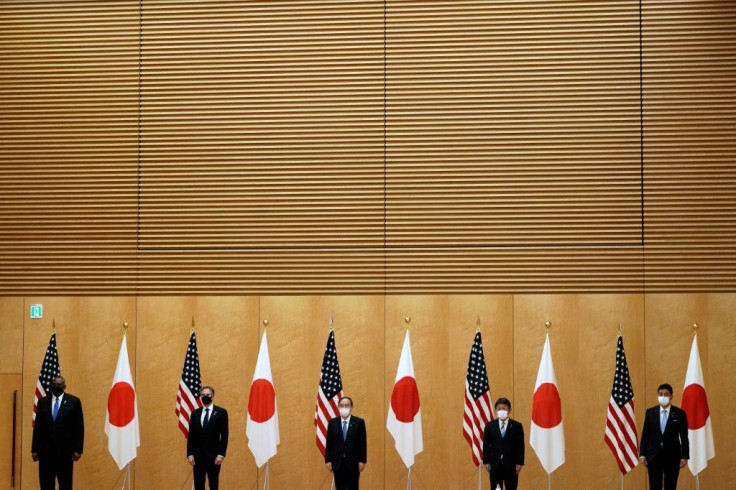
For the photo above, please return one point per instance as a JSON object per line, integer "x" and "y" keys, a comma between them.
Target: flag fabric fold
{"x": 262, "y": 425}
{"x": 547, "y": 436}
{"x": 478, "y": 401}
{"x": 190, "y": 384}
{"x": 695, "y": 404}
{"x": 328, "y": 393}
{"x": 620, "y": 434}
{"x": 49, "y": 370}
{"x": 121, "y": 422}
{"x": 404, "y": 421}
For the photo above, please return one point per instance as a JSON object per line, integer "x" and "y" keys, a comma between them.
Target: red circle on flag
{"x": 262, "y": 400}
{"x": 547, "y": 407}
{"x": 695, "y": 404}
{"x": 405, "y": 399}
{"x": 121, "y": 404}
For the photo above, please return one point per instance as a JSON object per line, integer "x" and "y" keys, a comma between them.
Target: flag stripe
{"x": 329, "y": 392}
{"x": 190, "y": 384}
{"x": 477, "y": 400}
{"x": 620, "y": 433}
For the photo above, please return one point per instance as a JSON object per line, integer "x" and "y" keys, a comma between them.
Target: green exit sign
{"x": 36, "y": 311}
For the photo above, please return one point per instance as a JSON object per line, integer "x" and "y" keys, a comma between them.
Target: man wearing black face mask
{"x": 58, "y": 436}
{"x": 207, "y": 441}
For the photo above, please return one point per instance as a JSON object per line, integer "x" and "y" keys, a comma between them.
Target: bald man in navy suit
{"x": 58, "y": 436}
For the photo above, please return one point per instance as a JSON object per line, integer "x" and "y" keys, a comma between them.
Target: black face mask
{"x": 57, "y": 390}
{"x": 206, "y": 400}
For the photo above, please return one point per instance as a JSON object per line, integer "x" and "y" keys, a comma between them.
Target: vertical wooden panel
{"x": 12, "y": 312}
{"x": 717, "y": 343}
{"x": 10, "y": 383}
{"x": 226, "y": 337}
{"x": 495, "y": 312}
{"x": 297, "y": 335}
{"x": 530, "y": 315}
{"x": 669, "y": 320}
{"x": 430, "y": 338}
{"x": 598, "y": 317}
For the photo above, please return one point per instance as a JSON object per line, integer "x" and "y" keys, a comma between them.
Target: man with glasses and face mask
{"x": 665, "y": 447}
{"x": 58, "y": 436}
{"x": 503, "y": 448}
{"x": 207, "y": 441}
{"x": 345, "y": 447}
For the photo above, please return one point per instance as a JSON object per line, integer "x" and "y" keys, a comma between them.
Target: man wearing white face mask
{"x": 503, "y": 448}
{"x": 345, "y": 446}
{"x": 664, "y": 445}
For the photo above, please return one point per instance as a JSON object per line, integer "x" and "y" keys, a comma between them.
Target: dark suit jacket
{"x": 348, "y": 452}
{"x": 205, "y": 444}
{"x": 507, "y": 451}
{"x": 673, "y": 445}
{"x": 62, "y": 437}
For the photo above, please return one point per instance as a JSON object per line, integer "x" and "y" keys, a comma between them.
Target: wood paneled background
{"x": 222, "y": 161}
{"x": 369, "y": 331}
{"x": 367, "y": 147}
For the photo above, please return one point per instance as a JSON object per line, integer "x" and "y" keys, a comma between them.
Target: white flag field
{"x": 547, "y": 437}
{"x": 121, "y": 422}
{"x": 262, "y": 425}
{"x": 404, "y": 421}
{"x": 695, "y": 404}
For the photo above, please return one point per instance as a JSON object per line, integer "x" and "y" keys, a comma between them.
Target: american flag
{"x": 621, "y": 434}
{"x": 190, "y": 384}
{"x": 329, "y": 392}
{"x": 49, "y": 370}
{"x": 477, "y": 400}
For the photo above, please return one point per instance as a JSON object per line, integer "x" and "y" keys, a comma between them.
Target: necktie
{"x": 344, "y": 429}
{"x": 206, "y": 417}
{"x": 503, "y": 429}
{"x": 56, "y": 409}
{"x": 664, "y": 420}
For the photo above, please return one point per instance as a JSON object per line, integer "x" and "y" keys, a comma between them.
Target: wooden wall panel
{"x": 459, "y": 319}
{"x": 530, "y": 315}
{"x": 12, "y": 312}
{"x": 598, "y": 319}
{"x": 227, "y": 341}
{"x": 717, "y": 343}
{"x": 88, "y": 335}
{"x": 9, "y": 383}
{"x": 297, "y": 334}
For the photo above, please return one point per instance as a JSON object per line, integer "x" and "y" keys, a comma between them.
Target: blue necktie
{"x": 344, "y": 429}
{"x": 664, "y": 420}
{"x": 206, "y": 418}
{"x": 56, "y": 409}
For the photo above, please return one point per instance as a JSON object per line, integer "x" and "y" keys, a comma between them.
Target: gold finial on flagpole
{"x": 547, "y": 325}
{"x": 191, "y": 330}
{"x": 125, "y": 328}
{"x": 407, "y": 319}
{"x": 265, "y": 323}
{"x": 53, "y": 325}
{"x": 695, "y": 329}
{"x": 477, "y": 325}
{"x": 332, "y": 322}
{"x": 620, "y": 328}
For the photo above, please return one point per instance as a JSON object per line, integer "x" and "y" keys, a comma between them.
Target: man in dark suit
{"x": 58, "y": 436}
{"x": 503, "y": 447}
{"x": 345, "y": 447}
{"x": 664, "y": 445}
{"x": 207, "y": 441}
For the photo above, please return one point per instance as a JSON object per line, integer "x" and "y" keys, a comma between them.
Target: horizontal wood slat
{"x": 357, "y": 146}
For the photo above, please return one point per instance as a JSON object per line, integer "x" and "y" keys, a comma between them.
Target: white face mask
{"x": 664, "y": 400}
{"x": 502, "y": 414}
{"x": 344, "y": 412}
